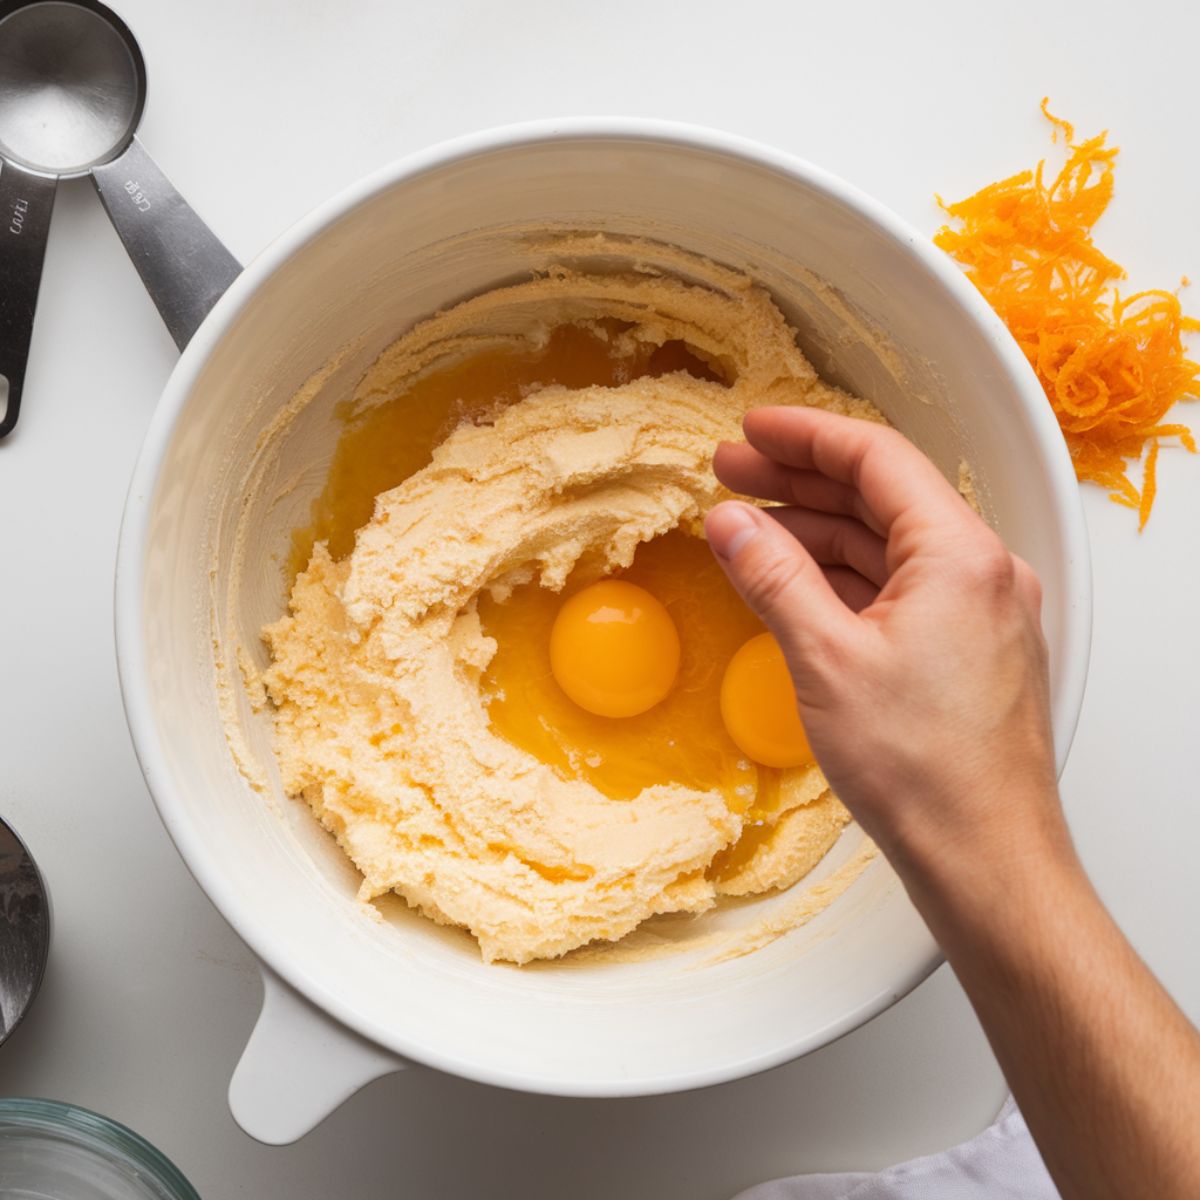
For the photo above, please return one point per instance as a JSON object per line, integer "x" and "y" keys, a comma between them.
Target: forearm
{"x": 1102, "y": 1063}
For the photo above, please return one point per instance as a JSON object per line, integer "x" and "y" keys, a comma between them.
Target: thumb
{"x": 782, "y": 584}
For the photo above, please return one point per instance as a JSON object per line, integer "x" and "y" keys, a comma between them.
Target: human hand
{"x": 915, "y": 647}
{"x": 911, "y": 633}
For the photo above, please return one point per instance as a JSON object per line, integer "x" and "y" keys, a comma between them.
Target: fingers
{"x": 782, "y": 584}
{"x": 836, "y": 541}
{"x": 894, "y": 479}
{"x": 743, "y": 469}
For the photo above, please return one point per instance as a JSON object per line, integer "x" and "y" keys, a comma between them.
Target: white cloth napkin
{"x": 1002, "y": 1163}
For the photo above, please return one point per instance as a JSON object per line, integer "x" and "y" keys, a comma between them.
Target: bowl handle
{"x": 298, "y": 1066}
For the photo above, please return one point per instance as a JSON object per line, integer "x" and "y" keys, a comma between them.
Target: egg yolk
{"x": 682, "y": 739}
{"x": 758, "y": 706}
{"x": 614, "y": 649}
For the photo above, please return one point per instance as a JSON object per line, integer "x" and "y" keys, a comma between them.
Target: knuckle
{"x": 886, "y": 439}
{"x": 989, "y": 567}
{"x": 826, "y": 656}
{"x": 770, "y": 581}
{"x": 839, "y": 543}
{"x": 858, "y": 508}
{"x": 1028, "y": 581}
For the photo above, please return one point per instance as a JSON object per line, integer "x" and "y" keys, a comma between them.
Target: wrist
{"x": 995, "y": 870}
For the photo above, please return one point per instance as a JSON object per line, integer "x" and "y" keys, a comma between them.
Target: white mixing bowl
{"x": 347, "y": 999}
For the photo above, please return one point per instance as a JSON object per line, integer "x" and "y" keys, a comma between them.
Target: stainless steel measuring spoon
{"x": 72, "y": 90}
{"x": 24, "y": 930}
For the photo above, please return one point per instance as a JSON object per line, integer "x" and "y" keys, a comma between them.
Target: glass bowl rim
{"x": 98, "y": 1133}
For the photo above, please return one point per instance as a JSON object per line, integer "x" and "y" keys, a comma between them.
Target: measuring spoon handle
{"x": 185, "y": 268}
{"x": 26, "y": 202}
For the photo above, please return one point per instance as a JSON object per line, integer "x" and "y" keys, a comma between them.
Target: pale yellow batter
{"x": 381, "y": 723}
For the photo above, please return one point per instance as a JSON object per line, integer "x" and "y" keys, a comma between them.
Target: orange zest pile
{"x": 1111, "y": 367}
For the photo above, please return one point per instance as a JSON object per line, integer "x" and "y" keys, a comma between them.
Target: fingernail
{"x": 729, "y": 527}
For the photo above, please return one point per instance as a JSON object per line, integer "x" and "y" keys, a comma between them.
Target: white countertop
{"x": 261, "y": 108}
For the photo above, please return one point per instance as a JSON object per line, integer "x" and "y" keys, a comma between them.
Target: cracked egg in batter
{"x": 508, "y": 680}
